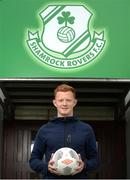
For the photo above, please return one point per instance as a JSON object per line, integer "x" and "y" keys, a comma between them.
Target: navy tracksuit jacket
{"x": 64, "y": 132}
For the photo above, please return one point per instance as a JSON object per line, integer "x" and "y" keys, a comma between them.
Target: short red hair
{"x": 64, "y": 88}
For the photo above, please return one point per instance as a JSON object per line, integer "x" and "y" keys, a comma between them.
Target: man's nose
{"x": 64, "y": 102}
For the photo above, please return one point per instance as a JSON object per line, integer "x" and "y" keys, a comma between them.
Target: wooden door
{"x": 17, "y": 148}
{"x": 112, "y": 149}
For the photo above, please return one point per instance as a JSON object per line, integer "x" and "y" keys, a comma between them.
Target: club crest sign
{"x": 66, "y": 41}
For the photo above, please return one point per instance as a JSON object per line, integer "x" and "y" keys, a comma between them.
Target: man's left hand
{"x": 80, "y": 166}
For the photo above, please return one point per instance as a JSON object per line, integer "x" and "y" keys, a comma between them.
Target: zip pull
{"x": 68, "y": 140}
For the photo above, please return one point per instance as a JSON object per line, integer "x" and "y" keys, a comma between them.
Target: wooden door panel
{"x": 17, "y": 149}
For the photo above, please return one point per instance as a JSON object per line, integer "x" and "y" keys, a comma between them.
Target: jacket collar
{"x": 65, "y": 119}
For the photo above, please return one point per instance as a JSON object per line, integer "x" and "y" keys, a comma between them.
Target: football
{"x": 66, "y": 34}
{"x": 65, "y": 160}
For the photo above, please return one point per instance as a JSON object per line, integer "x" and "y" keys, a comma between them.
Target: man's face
{"x": 64, "y": 102}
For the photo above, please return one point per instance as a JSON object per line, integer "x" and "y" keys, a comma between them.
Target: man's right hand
{"x": 51, "y": 166}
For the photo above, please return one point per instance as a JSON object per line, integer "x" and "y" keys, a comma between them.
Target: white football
{"x": 65, "y": 160}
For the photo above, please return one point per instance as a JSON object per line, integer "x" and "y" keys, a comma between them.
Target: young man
{"x": 64, "y": 131}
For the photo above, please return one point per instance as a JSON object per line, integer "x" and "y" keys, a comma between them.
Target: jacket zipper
{"x": 67, "y": 137}
{"x": 65, "y": 124}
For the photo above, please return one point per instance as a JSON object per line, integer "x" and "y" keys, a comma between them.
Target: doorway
{"x": 19, "y": 136}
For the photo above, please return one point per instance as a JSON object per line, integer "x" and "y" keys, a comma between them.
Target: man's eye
{"x": 68, "y": 100}
{"x": 60, "y": 100}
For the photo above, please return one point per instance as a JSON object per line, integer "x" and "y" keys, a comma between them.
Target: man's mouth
{"x": 64, "y": 108}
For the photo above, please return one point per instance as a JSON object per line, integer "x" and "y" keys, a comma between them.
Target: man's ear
{"x": 54, "y": 103}
{"x": 75, "y": 102}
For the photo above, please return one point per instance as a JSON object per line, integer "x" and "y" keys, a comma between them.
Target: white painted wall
{"x": 2, "y": 97}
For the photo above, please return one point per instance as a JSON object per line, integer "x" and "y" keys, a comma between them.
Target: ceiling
{"x": 40, "y": 93}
